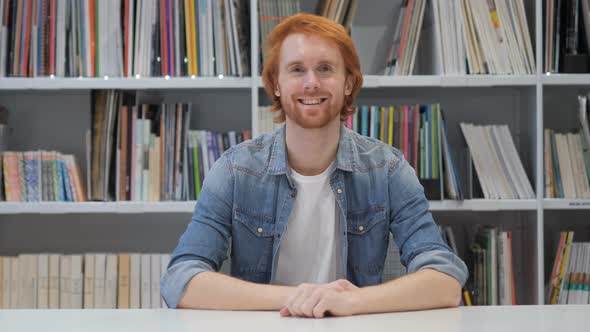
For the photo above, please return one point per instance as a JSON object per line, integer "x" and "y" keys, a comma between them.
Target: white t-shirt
{"x": 310, "y": 249}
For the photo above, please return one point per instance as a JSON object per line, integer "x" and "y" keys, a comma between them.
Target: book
{"x": 124, "y": 38}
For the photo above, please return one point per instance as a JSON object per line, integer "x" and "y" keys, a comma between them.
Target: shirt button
{"x": 361, "y": 228}
{"x": 293, "y": 194}
{"x": 339, "y": 191}
{"x": 259, "y": 229}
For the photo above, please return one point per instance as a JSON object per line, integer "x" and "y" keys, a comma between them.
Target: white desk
{"x": 472, "y": 319}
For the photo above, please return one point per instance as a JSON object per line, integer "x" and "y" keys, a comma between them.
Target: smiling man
{"x": 308, "y": 208}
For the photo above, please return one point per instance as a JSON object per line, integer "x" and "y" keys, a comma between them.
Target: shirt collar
{"x": 345, "y": 156}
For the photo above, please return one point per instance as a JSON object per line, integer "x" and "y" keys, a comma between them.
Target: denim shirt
{"x": 248, "y": 195}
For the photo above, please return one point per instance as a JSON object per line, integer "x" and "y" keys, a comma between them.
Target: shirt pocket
{"x": 368, "y": 236}
{"x": 252, "y": 242}
{"x": 259, "y": 225}
{"x": 360, "y": 222}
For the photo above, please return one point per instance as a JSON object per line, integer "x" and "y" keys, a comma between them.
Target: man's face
{"x": 312, "y": 80}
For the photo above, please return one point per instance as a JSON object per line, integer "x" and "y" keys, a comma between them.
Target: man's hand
{"x": 337, "y": 298}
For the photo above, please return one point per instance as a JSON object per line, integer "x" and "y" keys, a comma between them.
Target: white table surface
{"x": 471, "y": 319}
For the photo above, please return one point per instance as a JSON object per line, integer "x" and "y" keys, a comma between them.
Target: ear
{"x": 348, "y": 86}
{"x": 277, "y": 93}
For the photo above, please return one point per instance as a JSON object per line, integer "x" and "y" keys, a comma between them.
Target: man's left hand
{"x": 339, "y": 298}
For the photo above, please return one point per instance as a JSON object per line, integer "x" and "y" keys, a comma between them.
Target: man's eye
{"x": 325, "y": 68}
{"x": 297, "y": 69}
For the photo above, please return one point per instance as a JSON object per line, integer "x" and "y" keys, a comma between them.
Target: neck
{"x": 311, "y": 151}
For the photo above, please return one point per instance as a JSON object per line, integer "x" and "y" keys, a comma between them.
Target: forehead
{"x": 305, "y": 48}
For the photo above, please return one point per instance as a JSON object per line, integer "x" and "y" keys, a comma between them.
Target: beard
{"x": 315, "y": 117}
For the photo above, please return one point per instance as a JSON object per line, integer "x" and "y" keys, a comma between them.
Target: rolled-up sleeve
{"x": 204, "y": 244}
{"x": 413, "y": 228}
{"x": 174, "y": 282}
{"x": 441, "y": 260}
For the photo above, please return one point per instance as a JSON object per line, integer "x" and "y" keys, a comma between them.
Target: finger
{"x": 319, "y": 310}
{"x": 285, "y": 312}
{"x": 295, "y": 305}
{"x": 291, "y": 300}
{"x": 310, "y": 302}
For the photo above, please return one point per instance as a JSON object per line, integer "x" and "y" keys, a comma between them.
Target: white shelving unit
{"x": 380, "y": 81}
{"x": 516, "y": 100}
{"x": 46, "y": 83}
{"x": 565, "y": 79}
{"x": 188, "y": 206}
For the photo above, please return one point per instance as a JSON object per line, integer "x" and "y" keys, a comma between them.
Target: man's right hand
{"x": 304, "y": 299}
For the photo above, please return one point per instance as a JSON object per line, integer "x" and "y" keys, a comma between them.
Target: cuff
{"x": 174, "y": 282}
{"x": 442, "y": 261}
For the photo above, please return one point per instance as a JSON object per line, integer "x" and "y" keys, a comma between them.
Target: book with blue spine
{"x": 67, "y": 181}
{"x": 556, "y": 167}
{"x": 58, "y": 178}
{"x": 430, "y": 139}
{"x": 31, "y": 178}
{"x": 364, "y": 120}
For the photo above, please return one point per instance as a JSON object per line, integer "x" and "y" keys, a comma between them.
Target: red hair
{"x": 316, "y": 26}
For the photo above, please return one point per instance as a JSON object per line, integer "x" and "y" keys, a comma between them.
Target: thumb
{"x": 347, "y": 285}
{"x": 285, "y": 312}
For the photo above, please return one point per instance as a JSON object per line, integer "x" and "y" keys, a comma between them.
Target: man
{"x": 309, "y": 207}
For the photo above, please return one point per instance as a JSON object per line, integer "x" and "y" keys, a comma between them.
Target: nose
{"x": 311, "y": 82}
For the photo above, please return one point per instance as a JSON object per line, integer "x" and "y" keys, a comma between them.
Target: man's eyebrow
{"x": 297, "y": 62}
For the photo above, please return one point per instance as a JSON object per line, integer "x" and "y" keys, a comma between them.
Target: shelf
{"x": 378, "y": 81}
{"x": 566, "y": 79}
{"x": 46, "y": 83}
{"x": 485, "y": 205}
{"x": 188, "y": 207}
{"x": 566, "y": 204}
{"x": 372, "y": 81}
{"x": 96, "y": 207}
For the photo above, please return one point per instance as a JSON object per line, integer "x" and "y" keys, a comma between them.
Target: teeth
{"x": 311, "y": 101}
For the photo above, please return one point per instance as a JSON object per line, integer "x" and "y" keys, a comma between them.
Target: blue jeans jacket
{"x": 248, "y": 195}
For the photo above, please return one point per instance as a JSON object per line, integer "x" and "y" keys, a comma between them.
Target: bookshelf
{"x": 54, "y": 113}
{"x": 46, "y": 83}
{"x": 188, "y": 206}
{"x": 380, "y": 81}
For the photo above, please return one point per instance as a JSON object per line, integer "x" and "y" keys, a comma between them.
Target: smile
{"x": 309, "y": 101}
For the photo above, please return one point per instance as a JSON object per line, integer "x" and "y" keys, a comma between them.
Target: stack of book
{"x": 147, "y": 152}
{"x": 341, "y": 11}
{"x": 567, "y": 159}
{"x": 497, "y": 163}
{"x": 124, "y": 38}
{"x": 482, "y": 37}
{"x": 492, "y": 269}
{"x": 419, "y": 132}
{"x": 88, "y": 281}
{"x": 567, "y": 29}
{"x": 40, "y": 176}
{"x": 402, "y": 53}
{"x": 570, "y": 276}
{"x": 470, "y": 37}
{"x": 270, "y": 14}
{"x": 137, "y": 152}
{"x": 266, "y": 122}
{"x": 204, "y": 148}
